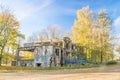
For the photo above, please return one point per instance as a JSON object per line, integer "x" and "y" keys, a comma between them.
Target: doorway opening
{"x": 38, "y": 64}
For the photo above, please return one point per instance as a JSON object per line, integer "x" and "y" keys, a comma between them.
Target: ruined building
{"x": 52, "y": 52}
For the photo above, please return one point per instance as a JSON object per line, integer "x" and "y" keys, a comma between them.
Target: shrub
{"x": 111, "y": 63}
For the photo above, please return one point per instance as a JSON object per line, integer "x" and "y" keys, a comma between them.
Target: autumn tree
{"x": 9, "y": 31}
{"x": 118, "y": 49}
{"x": 104, "y": 24}
{"x": 81, "y": 31}
{"x": 93, "y": 33}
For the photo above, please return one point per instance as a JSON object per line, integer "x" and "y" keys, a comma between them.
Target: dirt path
{"x": 102, "y": 73}
{"x": 75, "y": 76}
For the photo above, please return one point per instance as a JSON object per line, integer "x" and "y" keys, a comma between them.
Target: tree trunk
{"x": 6, "y": 61}
{"x": 0, "y": 59}
{"x": 1, "y": 54}
{"x": 101, "y": 57}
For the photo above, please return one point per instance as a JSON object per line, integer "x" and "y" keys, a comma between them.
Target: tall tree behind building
{"x": 93, "y": 33}
{"x": 51, "y": 32}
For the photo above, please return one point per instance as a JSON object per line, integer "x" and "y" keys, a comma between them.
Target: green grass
{"x": 39, "y": 69}
{"x": 48, "y": 69}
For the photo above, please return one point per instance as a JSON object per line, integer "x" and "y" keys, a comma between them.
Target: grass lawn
{"x": 80, "y": 68}
{"x": 37, "y": 69}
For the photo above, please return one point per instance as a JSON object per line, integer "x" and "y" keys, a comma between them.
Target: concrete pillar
{"x": 17, "y": 57}
{"x": 59, "y": 56}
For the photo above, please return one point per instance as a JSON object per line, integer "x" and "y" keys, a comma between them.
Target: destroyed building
{"x": 50, "y": 52}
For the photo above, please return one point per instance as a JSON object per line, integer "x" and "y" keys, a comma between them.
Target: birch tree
{"x": 93, "y": 33}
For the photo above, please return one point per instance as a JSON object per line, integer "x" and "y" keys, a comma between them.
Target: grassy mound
{"x": 111, "y": 63}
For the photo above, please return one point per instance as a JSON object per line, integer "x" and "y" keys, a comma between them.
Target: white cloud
{"x": 46, "y": 3}
{"x": 116, "y": 26}
{"x": 30, "y": 14}
{"x": 117, "y": 22}
{"x": 24, "y": 9}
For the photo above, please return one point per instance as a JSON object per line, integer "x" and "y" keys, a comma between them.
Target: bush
{"x": 111, "y": 63}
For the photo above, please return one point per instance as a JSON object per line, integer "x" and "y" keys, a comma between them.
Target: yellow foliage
{"x": 92, "y": 32}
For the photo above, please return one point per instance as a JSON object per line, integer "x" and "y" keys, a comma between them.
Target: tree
{"x": 82, "y": 26}
{"x": 82, "y": 29}
{"x": 93, "y": 33}
{"x": 7, "y": 58}
{"x": 50, "y": 32}
{"x": 118, "y": 49}
{"x": 104, "y": 25}
{"x": 9, "y": 31}
{"x": 54, "y": 31}
{"x": 26, "y": 55}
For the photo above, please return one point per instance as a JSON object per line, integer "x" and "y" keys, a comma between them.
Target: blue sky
{"x": 34, "y": 15}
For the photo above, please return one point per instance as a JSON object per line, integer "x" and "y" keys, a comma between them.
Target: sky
{"x": 35, "y": 15}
